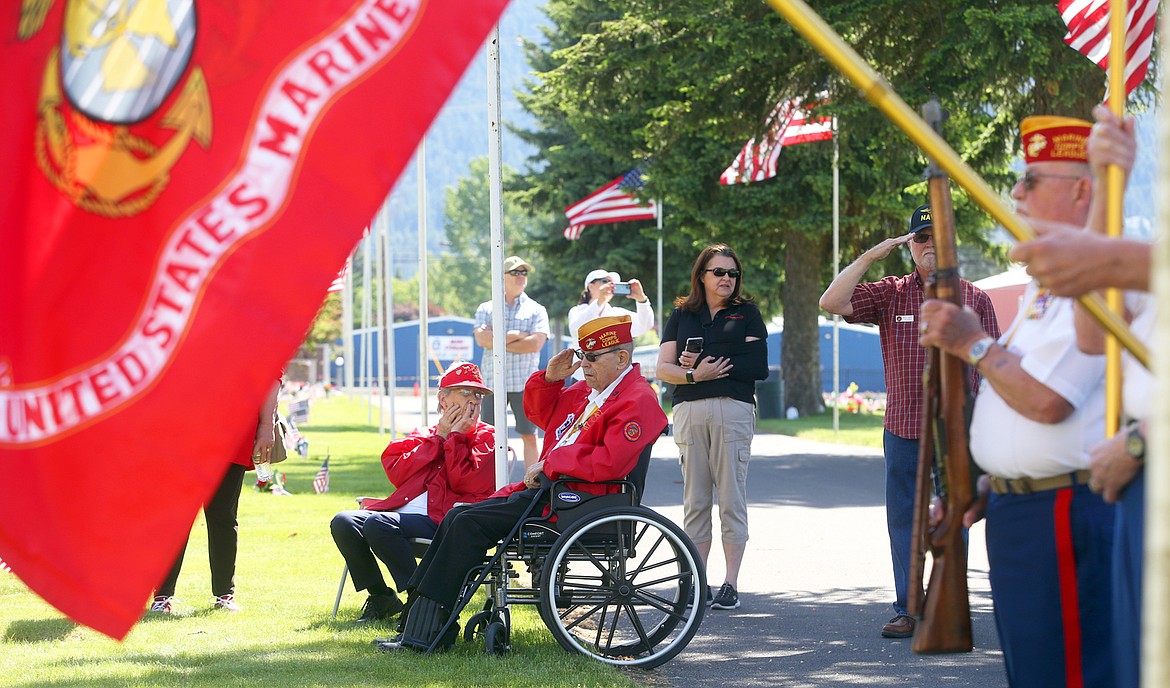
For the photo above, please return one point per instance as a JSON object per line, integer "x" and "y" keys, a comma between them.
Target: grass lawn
{"x": 287, "y": 577}
{"x": 861, "y": 429}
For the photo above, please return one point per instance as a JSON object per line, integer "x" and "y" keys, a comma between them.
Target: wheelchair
{"x": 612, "y": 580}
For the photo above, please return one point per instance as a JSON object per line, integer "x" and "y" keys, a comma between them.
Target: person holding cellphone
{"x": 714, "y": 348}
{"x": 597, "y": 302}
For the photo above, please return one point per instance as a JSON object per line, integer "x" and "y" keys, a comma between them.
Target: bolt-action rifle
{"x": 945, "y": 615}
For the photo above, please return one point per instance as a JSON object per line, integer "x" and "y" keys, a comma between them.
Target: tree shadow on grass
{"x": 38, "y": 630}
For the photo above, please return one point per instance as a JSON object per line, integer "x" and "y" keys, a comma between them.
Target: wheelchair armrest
{"x": 626, "y": 484}
{"x": 563, "y": 499}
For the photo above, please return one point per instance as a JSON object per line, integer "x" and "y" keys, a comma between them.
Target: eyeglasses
{"x": 518, "y": 273}
{"x": 1030, "y": 178}
{"x": 603, "y": 280}
{"x": 720, "y": 272}
{"x": 591, "y": 357}
{"x": 922, "y": 237}
{"x": 468, "y": 393}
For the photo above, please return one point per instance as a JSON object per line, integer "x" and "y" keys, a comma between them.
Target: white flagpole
{"x": 496, "y": 220}
{"x": 836, "y": 271}
{"x": 423, "y": 336}
{"x": 367, "y": 359}
{"x": 388, "y": 272}
{"x": 1155, "y": 653}
{"x": 659, "y": 306}
{"x": 379, "y": 317}
{"x": 347, "y": 362}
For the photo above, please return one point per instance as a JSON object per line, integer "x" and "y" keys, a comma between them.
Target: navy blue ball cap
{"x": 920, "y": 219}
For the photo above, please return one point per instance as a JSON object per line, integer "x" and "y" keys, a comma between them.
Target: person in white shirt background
{"x": 597, "y": 302}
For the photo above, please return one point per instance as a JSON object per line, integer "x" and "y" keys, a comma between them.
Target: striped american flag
{"x": 788, "y": 125}
{"x": 614, "y": 202}
{"x": 1088, "y": 34}
{"x": 321, "y": 480}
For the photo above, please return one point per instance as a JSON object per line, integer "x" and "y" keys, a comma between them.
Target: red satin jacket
{"x": 608, "y": 446}
{"x": 460, "y": 468}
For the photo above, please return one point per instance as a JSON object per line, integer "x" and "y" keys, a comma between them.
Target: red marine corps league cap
{"x": 1050, "y": 138}
{"x": 463, "y": 375}
{"x": 604, "y": 333}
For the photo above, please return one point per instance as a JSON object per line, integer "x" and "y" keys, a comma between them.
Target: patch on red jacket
{"x": 632, "y": 431}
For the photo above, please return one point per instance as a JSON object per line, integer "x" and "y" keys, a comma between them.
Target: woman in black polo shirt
{"x": 714, "y": 402}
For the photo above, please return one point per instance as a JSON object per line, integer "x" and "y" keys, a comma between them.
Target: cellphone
{"x": 694, "y": 344}
{"x": 621, "y": 288}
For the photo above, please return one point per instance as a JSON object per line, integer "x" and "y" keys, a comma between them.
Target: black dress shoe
{"x": 900, "y": 626}
{"x": 379, "y": 608}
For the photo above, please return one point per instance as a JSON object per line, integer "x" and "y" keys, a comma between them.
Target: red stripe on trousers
{"x": 1066, "y": 571}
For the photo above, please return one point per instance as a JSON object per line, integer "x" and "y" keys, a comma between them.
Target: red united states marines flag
{"x": 161, "y": 160}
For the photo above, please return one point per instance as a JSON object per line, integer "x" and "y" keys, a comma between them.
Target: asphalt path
{"x": 816, "y": 583}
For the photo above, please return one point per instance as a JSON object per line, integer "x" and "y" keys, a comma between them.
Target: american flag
{"x": 338, "y": 283}
{"x": 788, "y": 125}
{"x": 4, "y": 567}
{"x": 297, "y": 440}
{"x": 1088, "y": 34}
{"x": 321, "y": 480}
{"x": 614, "y": 202}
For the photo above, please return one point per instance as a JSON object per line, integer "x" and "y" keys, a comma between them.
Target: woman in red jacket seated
{"x": 434, "y": 469}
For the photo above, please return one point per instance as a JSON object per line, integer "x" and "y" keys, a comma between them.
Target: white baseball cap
{"x": 596, "y": 275}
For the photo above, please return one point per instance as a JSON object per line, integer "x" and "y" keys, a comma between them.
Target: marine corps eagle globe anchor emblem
{"x": 117, "y": 62}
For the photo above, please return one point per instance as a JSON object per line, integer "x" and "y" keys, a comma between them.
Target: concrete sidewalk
{"x": 816, "y": 584}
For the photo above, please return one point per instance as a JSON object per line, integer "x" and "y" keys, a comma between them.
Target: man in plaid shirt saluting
{"x": 892, "y": 304}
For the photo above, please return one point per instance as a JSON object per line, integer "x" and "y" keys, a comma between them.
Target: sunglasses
{"x": 720, "y": 272}
{"x": 591, "y": 357}
{"x": 1029, "y": 178}
{"x": 471, "y": 393}
{"x": 518, "y": 273}
{"x": 603, "y": 280}
{"x": 922, "y": 237}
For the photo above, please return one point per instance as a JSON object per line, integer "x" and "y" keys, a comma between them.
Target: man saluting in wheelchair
{"x": 595, "y": 430}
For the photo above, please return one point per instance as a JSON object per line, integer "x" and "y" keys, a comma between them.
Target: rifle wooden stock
{"x": 945, "y": 625}
{"x": 923, "y": 489}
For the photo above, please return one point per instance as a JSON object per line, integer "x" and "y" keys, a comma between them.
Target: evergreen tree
{"x": 684, "y": 83}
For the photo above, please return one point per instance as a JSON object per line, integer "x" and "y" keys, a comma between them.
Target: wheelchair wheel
{"x": 475, "y": 625}
{"x": 624, "y": 586}
{"x": 495, "y": 639}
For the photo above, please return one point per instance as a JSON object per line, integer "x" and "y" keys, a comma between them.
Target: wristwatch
{"x": 690, "y": 377}
{"x": 1135, "y": 443}
{"x": 979, "y": 351}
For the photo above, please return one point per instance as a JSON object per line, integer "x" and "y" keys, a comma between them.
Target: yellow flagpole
{"x": 1115, "y": 188}
{"x": 831, "y": 46}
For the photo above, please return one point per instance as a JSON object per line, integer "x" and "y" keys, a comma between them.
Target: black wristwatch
{"x": 690, "y": 377}
{"x": 1135, "y": 443}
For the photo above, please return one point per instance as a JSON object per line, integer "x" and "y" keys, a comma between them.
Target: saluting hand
{"x": 887, "y": 247}
{"x": 561, "y": 366}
